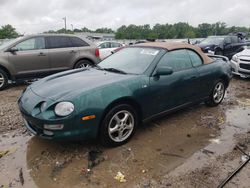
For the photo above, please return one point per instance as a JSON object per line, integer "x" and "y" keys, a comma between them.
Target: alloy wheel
{"x": 121, "y": 126}
{"x": 218, "y": 92}
{"x": 1, "y": 80}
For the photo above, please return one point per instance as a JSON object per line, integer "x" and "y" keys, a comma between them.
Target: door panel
{"x": 178, "y": 88}
{"x": 62, "y": 58}
{"x": 173, "y": 90}
{"x": 31, "y": 57}
{"x": 62, "y": 53}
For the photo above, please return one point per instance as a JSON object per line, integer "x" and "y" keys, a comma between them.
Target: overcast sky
{"x": 34, "y": 16}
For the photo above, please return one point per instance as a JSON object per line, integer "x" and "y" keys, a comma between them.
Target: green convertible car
{"x": 135, "y": 84}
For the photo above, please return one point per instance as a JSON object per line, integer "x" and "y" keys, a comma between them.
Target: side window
{"x": 234, "y": 39}
{"x": 178, "y": 60}
{"x": 31, "y": 44}
{"x": 77, "y": 42}
{"x": 195, "y": 58}
{"x": 59, "y": 42}
{"x": 227, "y": 40}
{"x": 105, "y": 45}
{"x": 115, "y": 45}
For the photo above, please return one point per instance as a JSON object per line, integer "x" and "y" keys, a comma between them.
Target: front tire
{"x": 118, "y": 125}
{"x": 3, "y": 80}
{"x": 83, "y": 64}
{"x": 217, "y": 94}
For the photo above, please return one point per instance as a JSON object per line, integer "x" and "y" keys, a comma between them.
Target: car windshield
{"x": 133, "y": 60}
{"x": 9, "y": 42}
{"x": 212, "y": 40}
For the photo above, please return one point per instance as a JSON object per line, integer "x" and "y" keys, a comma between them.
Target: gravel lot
{"x": 194, "y": 147}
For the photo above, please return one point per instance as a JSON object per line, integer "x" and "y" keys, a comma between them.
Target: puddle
{"x": 237, "y": 123}
{"x": 13, "y": 161}
{"x": 157, "y": 148}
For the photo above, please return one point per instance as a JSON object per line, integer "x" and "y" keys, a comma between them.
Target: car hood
{"x": 69, "y": 84}
{"x": 245, "y": 52}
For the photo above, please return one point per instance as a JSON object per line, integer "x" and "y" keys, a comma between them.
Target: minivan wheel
{"x": 3, "y": 80}
{"x": 118, "y": 125}
{"x": 217, "y": 94}
{"x": 83, "y": 64}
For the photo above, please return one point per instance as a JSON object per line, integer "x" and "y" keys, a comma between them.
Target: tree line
{"x": 158, "y": 31}
{"x": 176, "y": 31}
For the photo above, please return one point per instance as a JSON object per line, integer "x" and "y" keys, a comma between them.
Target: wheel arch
{"x": 225, "y": 79}
{"x": 84, "y": 58}
{"x": 6, "y": 71}
{"x": 122, "y": 100}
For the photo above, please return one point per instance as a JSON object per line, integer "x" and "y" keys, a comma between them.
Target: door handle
{"x": 41, "y": 54}
{"x": 72, "y": 51}
{"x": 193, "y": 77}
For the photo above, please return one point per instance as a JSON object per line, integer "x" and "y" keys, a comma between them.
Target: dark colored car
{"x": 222, "y": 45}
{"x": 37, "y": 56}
{"x": 134, "y": 85}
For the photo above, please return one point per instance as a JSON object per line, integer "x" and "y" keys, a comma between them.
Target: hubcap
{"x": 84, "y": 65}
{"x": 121, "y": 126}
{"x": 218, "y": 92}
{"x": 1, "y": 80}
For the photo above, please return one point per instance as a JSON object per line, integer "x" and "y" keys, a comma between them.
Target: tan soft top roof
{"x": 177, "y": 45}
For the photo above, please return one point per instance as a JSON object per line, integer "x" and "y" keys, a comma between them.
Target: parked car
{"x": 222, "y": 45}
{"x": 241, "y": 63}
{"x": 134, "y": 85}
{"x": 107, "y": 47}
{"x": 36, "y": 56}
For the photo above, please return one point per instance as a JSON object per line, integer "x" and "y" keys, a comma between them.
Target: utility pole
{"x": 72, "y": 27}
{"x": 65, "y": 23}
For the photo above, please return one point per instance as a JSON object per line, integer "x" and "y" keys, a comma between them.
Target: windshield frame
{"x": 150, "y": 68}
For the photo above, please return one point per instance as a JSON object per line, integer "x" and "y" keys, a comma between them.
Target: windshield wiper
{"x": 97, "y": 67}
{"x": 115, "y": 70}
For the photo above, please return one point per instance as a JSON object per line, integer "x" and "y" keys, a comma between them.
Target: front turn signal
{"x": 85, "y": 118}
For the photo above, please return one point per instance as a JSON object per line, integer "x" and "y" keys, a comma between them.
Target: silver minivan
{"x": 36, "y": 56}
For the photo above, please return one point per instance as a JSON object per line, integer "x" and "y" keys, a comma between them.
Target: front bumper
{"x": 74, "y": 128}
{"x": 240, "y": 68}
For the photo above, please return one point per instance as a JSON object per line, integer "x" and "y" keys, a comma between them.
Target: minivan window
{"x": 31, "y": 44}
{"x": 77, "y": 42}
{"x": 59, "y": 42}
{"x": 178, "y": 60}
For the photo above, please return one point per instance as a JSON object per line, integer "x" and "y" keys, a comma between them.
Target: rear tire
{"x": 118, "y": 125}
{"x": 83, "y": 64}
{"x": 3, "y": 80}
{"x": 217, "y": 94}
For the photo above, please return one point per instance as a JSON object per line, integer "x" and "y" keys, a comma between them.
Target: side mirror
{"x": 13, "y": 49}
{"x": 164, "y": 70}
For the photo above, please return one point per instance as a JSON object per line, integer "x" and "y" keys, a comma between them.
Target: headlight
{"x": 235, "y": 58}
{"x": 64, "y": 108}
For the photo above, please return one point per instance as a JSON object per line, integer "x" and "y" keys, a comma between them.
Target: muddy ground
{"x": 194, "y": 147}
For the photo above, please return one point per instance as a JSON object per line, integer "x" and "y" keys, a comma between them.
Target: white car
{"x": 105, "y": 48}
{"x": 240, "y": 63}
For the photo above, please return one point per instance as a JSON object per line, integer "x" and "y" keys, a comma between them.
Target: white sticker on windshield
{"x": 150, "y": 52}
